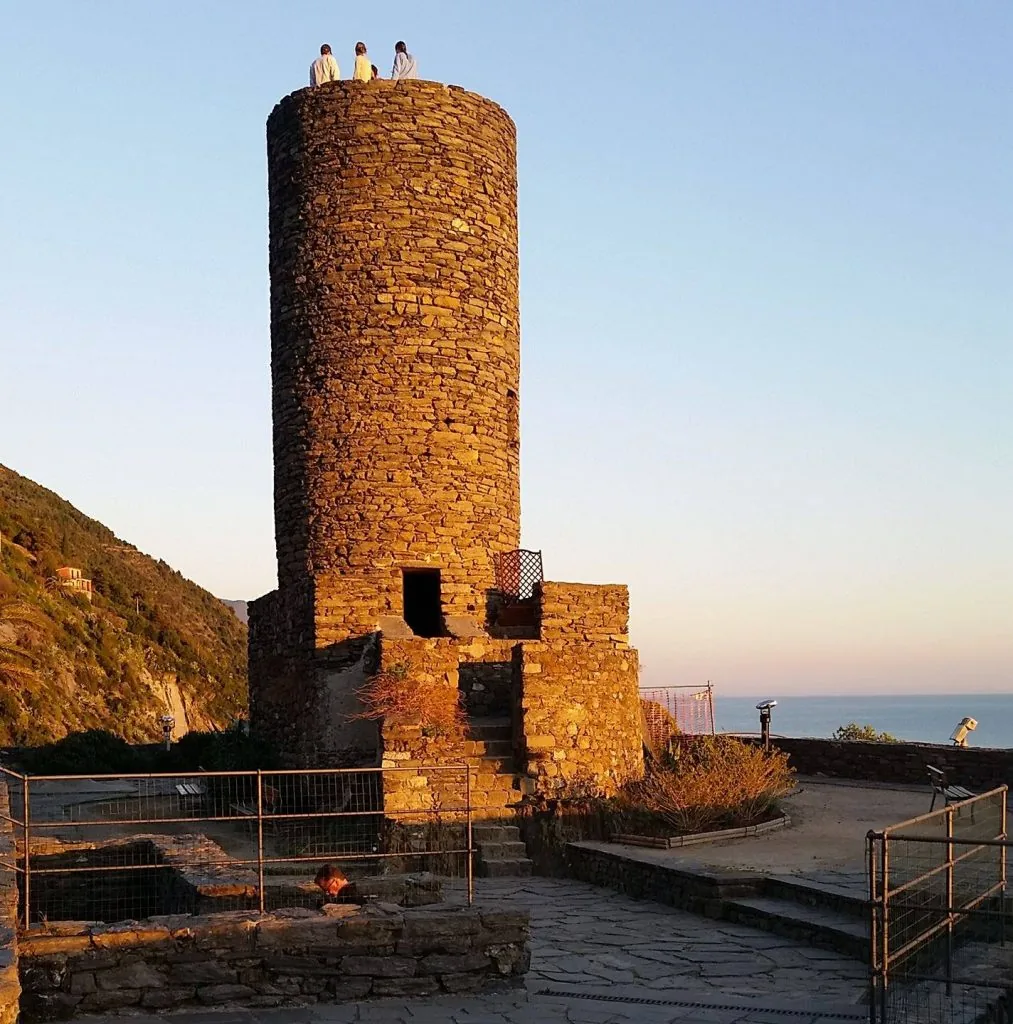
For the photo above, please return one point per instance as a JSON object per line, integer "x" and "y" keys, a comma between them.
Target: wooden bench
{"x": 941, "y": 788}
{"x": 191, "y": 794}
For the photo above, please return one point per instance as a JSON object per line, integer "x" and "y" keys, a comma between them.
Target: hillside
{"x": 149, "y": 642}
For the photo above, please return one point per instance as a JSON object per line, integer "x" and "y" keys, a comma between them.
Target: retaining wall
{"x": 292, "y": 957}
{"x": 976, "y": 768}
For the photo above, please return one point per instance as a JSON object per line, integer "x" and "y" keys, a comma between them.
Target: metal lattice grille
{"x": 517, "y": 572}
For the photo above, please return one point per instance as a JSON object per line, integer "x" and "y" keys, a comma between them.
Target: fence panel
{"x": 939, "y": 916}
{"x": 690, "y": 707}
{"x": 112, "y": 848}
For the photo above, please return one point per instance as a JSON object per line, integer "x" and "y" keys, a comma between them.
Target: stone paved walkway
{"x": 595, "y": 952}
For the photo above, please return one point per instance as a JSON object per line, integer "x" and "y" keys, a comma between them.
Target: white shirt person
{"x": 405, "y": 65}
{"x": 324, "y": 68}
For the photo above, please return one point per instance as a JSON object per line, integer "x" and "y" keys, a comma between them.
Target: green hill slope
{"x": 149, "y": 643}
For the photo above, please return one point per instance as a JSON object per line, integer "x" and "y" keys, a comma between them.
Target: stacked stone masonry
{"x": 395, "y": 361}
{"x": 395, "y": 334}
{"x": 344, "y": 953}
{"x": 579, "y": 700}
{"x": 975, "y": 768}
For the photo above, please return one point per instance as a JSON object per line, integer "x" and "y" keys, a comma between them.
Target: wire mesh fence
{"x": 113, "y": 848}
{"x": 690, "y": 708}
{"x": 940, "y": 916}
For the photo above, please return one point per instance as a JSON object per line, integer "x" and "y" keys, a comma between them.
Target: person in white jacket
{"x": 324, "y": 68}
{"x": 404, "y": 63}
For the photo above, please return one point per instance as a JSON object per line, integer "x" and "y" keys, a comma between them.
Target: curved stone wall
{"x": 394, "y": 334}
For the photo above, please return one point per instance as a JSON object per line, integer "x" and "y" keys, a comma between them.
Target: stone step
{"x": 492, "y": 765}
{"x": 496, "y": 833}
{"x": 489, "y": 729}
{"x": 519, "y": 868}
{"x": 811, "y": 893}
{"x": 502, "y": 851}
{"x": 488, "y": 748}
{"x": 817, "y": 926}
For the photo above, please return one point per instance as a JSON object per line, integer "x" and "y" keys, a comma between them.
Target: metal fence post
{"x": 884, "y": 957}
{"x": 949, "y": 901}
{"x": 710, "y": 706}
{"x": 26, "y": 806}
{"x": 870, "y": 855}
{"x": 471, "y": 845}
{"x": 260, "y": 840}
{"x": 1002, "y": 873}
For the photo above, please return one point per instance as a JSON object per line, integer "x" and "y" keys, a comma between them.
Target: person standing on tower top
{"x": 324, "y": 68}
{"x": 404, "y": 63}
{"x": 363, "y": 69}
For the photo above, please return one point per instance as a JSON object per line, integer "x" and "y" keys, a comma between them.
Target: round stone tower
{"x": 395, "y": 352}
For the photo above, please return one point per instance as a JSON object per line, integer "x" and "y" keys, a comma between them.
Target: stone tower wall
{"x": 394, "y": 339}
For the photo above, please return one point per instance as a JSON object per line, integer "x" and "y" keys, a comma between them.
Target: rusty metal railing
{"x": 939, "y": 914}
{"x": 117, "y": 847}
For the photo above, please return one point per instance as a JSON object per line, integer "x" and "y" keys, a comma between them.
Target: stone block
{"x": 208, "y": 972}
{"x": 164, "y": 998}
{"x": 213, "y": 995}
{"x": 138, "y": 975}
{"x": 405, "y": 987}
{"x": 449, "y": 963}
{"x": 349, "y": 989}
{"x": 281, "y": 933}
{"x": 111, "y": 1000}
{"x": 44, "y": 1006}
{"x": 82, "y": 983}
{"x": 125, "y": 936}
{"x": 379, "y": 966}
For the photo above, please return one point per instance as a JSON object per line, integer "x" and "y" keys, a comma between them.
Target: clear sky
{"x": 767, "y": 257}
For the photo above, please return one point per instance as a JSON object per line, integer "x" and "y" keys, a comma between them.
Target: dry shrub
{"x": 711, "y": 782}
{"x": 396, "y": 697}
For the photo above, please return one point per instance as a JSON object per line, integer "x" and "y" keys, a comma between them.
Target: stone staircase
{"x": 819, "y": 913}
{"x": 501, "y": 852}
{"x": 496, "y": 790}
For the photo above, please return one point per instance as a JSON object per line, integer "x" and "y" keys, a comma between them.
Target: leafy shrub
{"x": 864, "y": 733}
{"x": 711, "y": 782}
{"x": 95, "y": 752}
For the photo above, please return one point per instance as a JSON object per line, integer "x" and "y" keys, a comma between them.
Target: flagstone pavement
{"x": 602, "y": 958}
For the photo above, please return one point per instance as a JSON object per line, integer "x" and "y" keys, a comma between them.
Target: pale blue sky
{"x": 767, "y": 254}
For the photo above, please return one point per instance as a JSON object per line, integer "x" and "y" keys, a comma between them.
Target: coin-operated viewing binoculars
{"x": 765, "y": 707}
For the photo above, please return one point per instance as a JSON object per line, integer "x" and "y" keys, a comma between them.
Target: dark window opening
{"x": 422, "y": 610}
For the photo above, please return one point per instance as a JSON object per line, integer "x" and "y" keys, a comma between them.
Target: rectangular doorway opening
{"x": 422, "y": 608}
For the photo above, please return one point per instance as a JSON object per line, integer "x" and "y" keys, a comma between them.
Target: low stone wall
{"x": 976, "y": 768}
{"x": 10, "y": 987}
{"x": 636, "y": 873}
{"x": 291, "y": 957}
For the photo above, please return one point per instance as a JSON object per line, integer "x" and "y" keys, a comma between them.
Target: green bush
{"x": 863, "y": 733}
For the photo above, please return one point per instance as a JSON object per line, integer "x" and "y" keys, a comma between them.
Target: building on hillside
{"x": 395, "y": 362}
{"x": 73, "y": 579}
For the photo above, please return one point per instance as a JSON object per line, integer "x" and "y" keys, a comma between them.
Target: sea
{"x": 922, "y": 718}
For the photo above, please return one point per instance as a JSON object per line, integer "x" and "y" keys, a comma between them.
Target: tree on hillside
{"x": 16, "y": 665}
